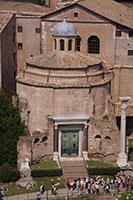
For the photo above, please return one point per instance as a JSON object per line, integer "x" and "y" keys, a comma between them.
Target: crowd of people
{"x": 42, "y": 190}
{"x": 98, "y": 185}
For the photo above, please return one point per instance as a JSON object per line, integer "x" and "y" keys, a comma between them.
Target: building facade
{"x": 8, "y": 66}
{"x": 69, "y": 85}
{"x": 69, "y": 110}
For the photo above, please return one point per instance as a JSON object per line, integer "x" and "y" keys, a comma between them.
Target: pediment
{"x": 84, "y": 15}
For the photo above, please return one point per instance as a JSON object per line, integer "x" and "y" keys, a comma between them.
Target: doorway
{"x": 69, "y": 143}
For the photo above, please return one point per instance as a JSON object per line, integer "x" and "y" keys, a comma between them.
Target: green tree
{"x": 10, "y": 130}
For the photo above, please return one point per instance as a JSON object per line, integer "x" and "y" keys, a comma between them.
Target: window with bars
{"x": 94, "y": 45}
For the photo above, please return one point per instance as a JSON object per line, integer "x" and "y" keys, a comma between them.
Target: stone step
{"x": 76, "y": 174}
{"x": 67, "y": 166}
{"x": 74, "y": 169}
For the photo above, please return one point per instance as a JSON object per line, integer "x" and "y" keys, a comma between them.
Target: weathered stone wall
{"x": 40, "y": 101}
{"x": 46, "y": 102}
{"x": 24, "y": 148}
{"x": 8, "y": 57}
{"x": 102, "y": 144}
{"x": 123, "y": 44}
{"x": 122, "y": 86}
{"x": 30, "y": 40}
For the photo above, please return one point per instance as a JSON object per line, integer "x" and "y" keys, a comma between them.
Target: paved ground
{"x": 61, "y": 193}
{"x": 46, "y": 195}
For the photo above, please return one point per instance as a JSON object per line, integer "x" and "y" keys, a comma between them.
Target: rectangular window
{"x": 118, "y": 33}
{"x": 130, "y": 52}
{"x": 20, "y": 29}
{"x": 37, "y": 30}
{"x": 76, "y": 14}
{"x": 130, "y": 33}
{"x": 20, "y": 46}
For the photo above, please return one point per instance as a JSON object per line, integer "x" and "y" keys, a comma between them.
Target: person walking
{"x": 42, "y": 189}
{"x": 38, "y": 197}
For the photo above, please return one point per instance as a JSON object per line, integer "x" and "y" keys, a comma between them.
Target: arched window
{"x": 94, "y": 45}
{"x": 55, "y": 44}
{"x": 98, "y": 137}
{"x": 107, "y": 138}
{"x": 78, "y": 41}
{"x": 62, "y": 45}
{"x": 36, "y": 140}
{"x": 70, "y": 45}
{"x": 44, "y": 139}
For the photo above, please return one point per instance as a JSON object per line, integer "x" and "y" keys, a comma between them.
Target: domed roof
{"x": 64, "y": 29}
{"x": 64, "y": 60}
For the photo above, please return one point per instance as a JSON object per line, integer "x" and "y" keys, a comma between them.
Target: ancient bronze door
{"x": 69, "y": 143}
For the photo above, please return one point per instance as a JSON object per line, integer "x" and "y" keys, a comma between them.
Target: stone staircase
{"x": 73, "y": 169}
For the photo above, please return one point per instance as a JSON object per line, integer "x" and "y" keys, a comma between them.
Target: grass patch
{"x": 98, "y": 164}
{"x": 124, "y": 196}
{"x": 105, "y": 177}
{"x": 130, "y": 143}
{"x": 45, "y": 165}
{"x": 96, "y": 167}
{"x": 47, "y": 181}
{"x": 130, "y": 149}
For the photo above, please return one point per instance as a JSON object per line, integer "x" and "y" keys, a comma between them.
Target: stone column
{"x": 55, "y": 143}
{"x": 122, "y": 157}
{"x": 85, "y": 144}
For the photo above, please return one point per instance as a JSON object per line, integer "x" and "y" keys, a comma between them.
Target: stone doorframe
{"x": 73, "y": 128}
{"x": 77, "y": 122}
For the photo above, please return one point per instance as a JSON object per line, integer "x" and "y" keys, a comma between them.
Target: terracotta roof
{"x": 22, "y": 7}
{"x": 4, "y": 18}
{"x": 111, "y": 10}
{"x": 130, "y": 5}
{"x": 63, "y": 60}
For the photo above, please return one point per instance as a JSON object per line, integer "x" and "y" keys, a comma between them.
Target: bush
{"x": 11, "y": 129}
{"x": 8, "y": 173}
{"x": 130, "y": 153}
{"x": 46, "y": 172}
{"x": 110, "y": 171}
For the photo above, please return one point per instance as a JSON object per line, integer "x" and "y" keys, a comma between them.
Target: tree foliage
{"x": 10, "y": 130}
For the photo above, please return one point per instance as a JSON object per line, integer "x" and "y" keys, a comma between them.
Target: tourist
{"x": 38, "y": 197}
{"x": 54, "y": 190}
{"x": 42, "y": 189}
{"x": 100, "y": 186}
